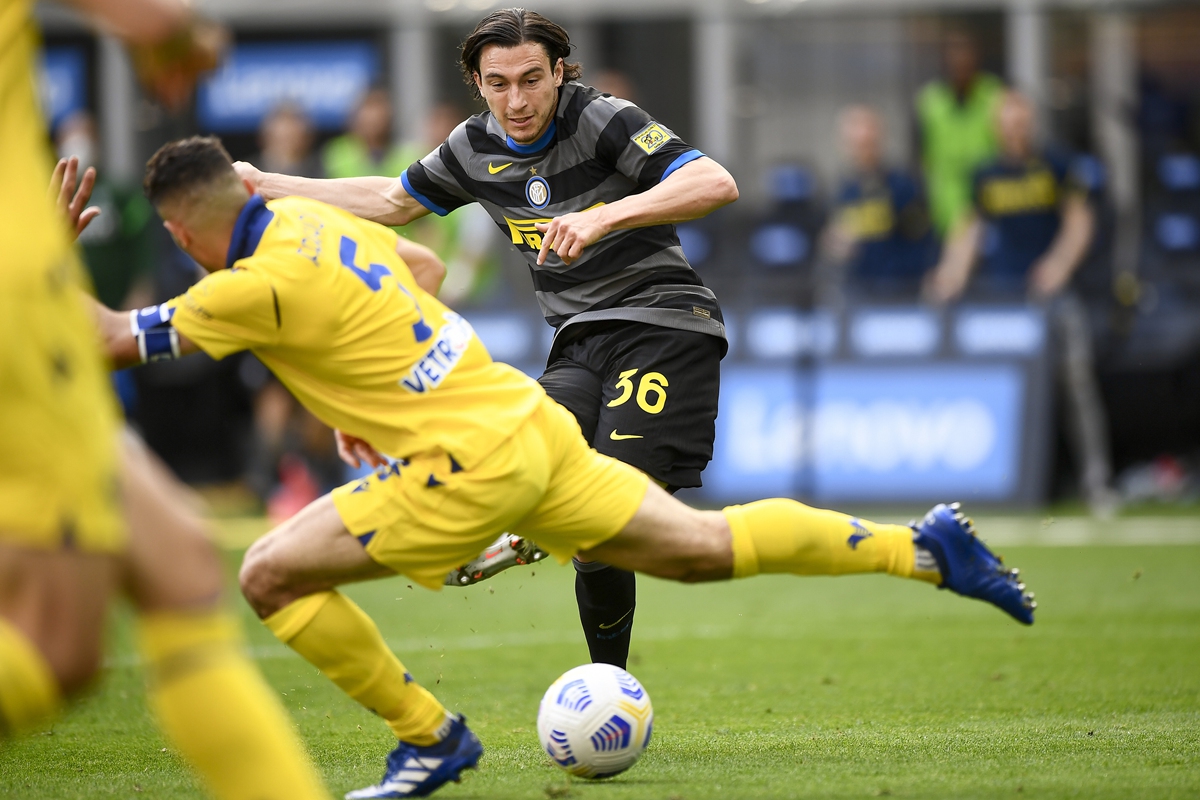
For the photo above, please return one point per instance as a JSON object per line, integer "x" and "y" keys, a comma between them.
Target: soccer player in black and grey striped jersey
{"x": 588, "y": 188}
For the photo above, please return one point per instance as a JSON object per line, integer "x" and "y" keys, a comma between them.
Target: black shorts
{"x": 643, "y": 394}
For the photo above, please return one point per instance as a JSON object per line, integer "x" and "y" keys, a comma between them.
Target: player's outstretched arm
{"x": 125, "y": 348}
{"x": 690, "y": 192}
{"x": 376, "y": 198}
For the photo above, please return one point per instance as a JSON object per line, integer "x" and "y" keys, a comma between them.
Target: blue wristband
{"x": 157, "y": 339}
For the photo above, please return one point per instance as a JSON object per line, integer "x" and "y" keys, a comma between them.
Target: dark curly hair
{"x": 181, "y": 166}
{"x": 510, "y": 27}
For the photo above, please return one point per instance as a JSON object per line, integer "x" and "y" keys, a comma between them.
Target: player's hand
{"x": 941, "y": 286}
{"x": 248, "y": 172}
{"x": 839, "y": 242}
{"x": 569, "y": 234}
{"x": 1047, "y": 278}
{"x": 169, "y": 69}
{"x": 356, "y": 452}
{"x": 70, "y": 194}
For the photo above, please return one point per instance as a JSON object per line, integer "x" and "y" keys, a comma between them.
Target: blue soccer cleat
{"x": 414, "y": 771}
{"x": 967, "y": 566}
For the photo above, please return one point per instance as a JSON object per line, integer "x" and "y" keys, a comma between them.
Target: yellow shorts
{"x": 58, "y": 417}
{"x": 425, "y": 518}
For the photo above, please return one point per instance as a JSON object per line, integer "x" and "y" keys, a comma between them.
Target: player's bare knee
{"x": 255, "y": 578}
{"x": 263, "y": 583}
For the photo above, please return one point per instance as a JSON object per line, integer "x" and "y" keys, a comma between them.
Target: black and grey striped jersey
{"x": 597, "y": 150}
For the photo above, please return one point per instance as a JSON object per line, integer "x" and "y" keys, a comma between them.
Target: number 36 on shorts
{"x": 651, "y": 390}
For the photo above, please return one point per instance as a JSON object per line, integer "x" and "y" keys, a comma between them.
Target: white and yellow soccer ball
{"x": 595, "y": 721}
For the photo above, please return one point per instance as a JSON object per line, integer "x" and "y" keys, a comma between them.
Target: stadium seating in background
{"x": 705, "y": 242}
{"x": 1171, "y": 234}
{"x": 1094, "y": 278}
{"x": 698, "y": 243}
{"x": 1164, "y": 331}
{"x": 779, "y": 248}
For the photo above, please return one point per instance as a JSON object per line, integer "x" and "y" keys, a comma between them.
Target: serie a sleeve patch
{"x": 652, "y": 137}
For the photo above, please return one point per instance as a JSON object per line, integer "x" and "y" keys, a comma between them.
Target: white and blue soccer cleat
{"x": 507, "y": 551}
{"x": 414, "y": 771}
{"x": 967, "y": 566}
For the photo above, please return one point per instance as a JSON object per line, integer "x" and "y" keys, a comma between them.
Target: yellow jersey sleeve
{"x": 229, "y": 311}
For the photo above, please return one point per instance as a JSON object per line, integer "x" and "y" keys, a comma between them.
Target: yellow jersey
{"x": 324, "y": 301}
{"x": 30, "y": 231}
{"x": 58, "y": 418}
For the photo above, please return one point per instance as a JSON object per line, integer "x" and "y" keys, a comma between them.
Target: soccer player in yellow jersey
{"x": 84, "y": 514}
{"x": 339, "y": 309}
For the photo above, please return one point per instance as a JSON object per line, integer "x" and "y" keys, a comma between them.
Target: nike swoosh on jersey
{"x": 604, "y": 627}
{"x": 493, "y": 170}
{"x": 616, "y": 437}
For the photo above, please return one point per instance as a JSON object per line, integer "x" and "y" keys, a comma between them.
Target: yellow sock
{"x": 214, "y": 706}
{"x": 28, "y": 689}
{"x": 336, "y": 637}
{"x": 785, "y": 536}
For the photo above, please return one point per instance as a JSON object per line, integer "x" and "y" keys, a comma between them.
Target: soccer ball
{"x": 595, "y": 721}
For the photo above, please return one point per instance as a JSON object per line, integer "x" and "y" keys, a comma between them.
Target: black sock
{"x": 607, "y": 597}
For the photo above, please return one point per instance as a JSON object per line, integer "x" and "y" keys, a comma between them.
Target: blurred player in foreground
{"x": 341, "y": 310}
{"x": 85, "y": 513}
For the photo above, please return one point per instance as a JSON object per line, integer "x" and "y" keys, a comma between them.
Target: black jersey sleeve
{"x": 432, "y": 182}
{"x": 642, "y": 149}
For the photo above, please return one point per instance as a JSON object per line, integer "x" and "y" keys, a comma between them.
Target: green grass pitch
{"x": 774, "y": 687}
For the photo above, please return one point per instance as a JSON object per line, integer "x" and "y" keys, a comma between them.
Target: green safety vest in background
{"x": 119, "y": 246}
{"x": 956, "y": 138}
{"x": 346, "y": 157}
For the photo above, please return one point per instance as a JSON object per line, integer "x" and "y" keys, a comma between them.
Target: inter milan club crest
{"x": 537, "y": 192}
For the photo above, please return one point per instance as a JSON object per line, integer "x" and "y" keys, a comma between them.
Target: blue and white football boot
{"x": 414, "y": 771}
{"x": 967, "y": 566}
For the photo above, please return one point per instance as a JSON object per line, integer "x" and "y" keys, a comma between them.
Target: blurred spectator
{"x": 367, "y": 147}
{"x": 1030, "y": 218}
{"x": 120, "y": 245}
{"x": 286, "y": 139}
{"x": 1033, "y": 224}
{"x": 880, "y": 230}
{"x": 464, "y": 239}
{"x": 955, "y": 130}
